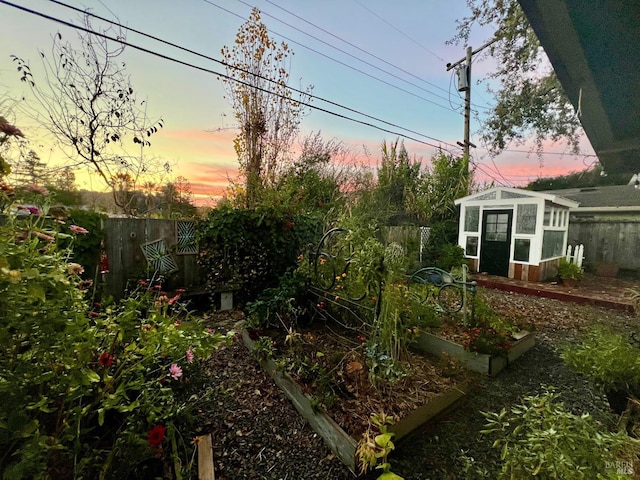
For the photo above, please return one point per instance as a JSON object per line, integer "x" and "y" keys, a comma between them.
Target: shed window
{"x": 552, "y": 243}
{"x": 521, "y": 249}
{"x": 547, "y": 216}
{"x": 526, "y": 218}
{"x": 471, "y": 219}
{"x": 471, "y": 248}
{"x": 497, "y": 227}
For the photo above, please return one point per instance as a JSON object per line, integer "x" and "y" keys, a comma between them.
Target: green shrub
{"x": 567, "y": 269}
{"x": 279, "y": 306}
{"x": 88, "y": 391}
{"x": 541, "y": 439}
{"x": 251, "y": 249}
{"x": 608, "y": 358}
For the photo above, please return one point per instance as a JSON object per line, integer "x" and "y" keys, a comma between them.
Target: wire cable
{"x": 357, "y": 48}
{"x": 228, "y": 65}
{"x": 203, "y": 69}
{"x": 400, "y": 31}
{"x": 351, "y": 67}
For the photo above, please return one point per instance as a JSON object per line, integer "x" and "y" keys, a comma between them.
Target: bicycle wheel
{"x": 450, "y": 298}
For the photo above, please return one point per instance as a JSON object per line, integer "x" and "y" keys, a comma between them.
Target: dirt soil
{"x": 257, "y": 433}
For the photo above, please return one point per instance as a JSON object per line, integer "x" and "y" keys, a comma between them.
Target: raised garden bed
{"x": 491, "y": 364}
{"x": 344, "y": 444}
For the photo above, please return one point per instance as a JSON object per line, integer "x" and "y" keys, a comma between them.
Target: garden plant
{"x": 89, "y": 390}
{"x": 611, "y": 360}
{"x": 540, "y": 438}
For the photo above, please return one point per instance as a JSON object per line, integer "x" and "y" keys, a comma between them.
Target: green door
{"x": 496, "y": 242}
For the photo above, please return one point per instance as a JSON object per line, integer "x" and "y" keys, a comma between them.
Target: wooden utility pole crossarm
{"x": 464, "y": 84}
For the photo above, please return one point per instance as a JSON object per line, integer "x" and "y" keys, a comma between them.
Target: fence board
{"x": 127, "y": 263}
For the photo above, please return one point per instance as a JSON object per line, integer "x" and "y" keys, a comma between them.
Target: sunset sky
{"x": 384, "y": 59}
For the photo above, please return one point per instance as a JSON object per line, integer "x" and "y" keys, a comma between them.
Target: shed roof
{"x": 506, "y": 194}
{"x": 612, "y": 196}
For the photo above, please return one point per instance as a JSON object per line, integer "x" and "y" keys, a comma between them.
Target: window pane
{"x": 521, "y": 249}
{"x": 472, "y": 219}
{"x": 552, "y": 243}
{"x": 471, "y": 249}
{"x": 547, "y": 216}
{"x": 526, "y": 219}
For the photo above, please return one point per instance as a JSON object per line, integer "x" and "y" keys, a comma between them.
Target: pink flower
{"x": 189, "y": 356}
{"x": 78, "y": 230}
{"x": 175, "y": 371}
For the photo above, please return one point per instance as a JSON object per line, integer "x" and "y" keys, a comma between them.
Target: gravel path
{"x": 257, "y": 433}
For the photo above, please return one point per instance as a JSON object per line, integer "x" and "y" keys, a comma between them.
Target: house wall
{"x": 607, "y": 238}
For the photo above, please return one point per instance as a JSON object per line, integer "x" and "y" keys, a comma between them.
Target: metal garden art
{"x": 364, "y": 289}
{"x": 350, "y": 287}
{"x": 357, "y": 301}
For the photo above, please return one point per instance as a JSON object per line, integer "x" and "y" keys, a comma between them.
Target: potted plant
{"x": 611, "y": 361}
{"x": 569, "y": 272}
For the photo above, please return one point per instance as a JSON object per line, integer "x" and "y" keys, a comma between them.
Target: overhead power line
{"x": 400, "y": 31}
{"x": 235, "y": 67}
{"x": 351, "y": 67}
{"x": 357, "y": 48}
{"x": 221, "y": 75}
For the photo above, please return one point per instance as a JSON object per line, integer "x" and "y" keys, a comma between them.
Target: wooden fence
{"x": 139, "y": 248}
{"x": 612, "y": 240}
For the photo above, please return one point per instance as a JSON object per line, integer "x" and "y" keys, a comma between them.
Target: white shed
{"x": 514, "y": 233}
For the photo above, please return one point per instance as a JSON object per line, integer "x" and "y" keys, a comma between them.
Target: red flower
{"x": 106, "y": 359}
{"x": 156, "y": 435}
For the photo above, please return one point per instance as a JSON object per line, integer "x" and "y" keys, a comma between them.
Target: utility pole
{"x": 464, "y": 85}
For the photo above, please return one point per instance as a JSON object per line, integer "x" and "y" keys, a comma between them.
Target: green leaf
{"x": 91, "y": 376}
{"x": 503, "y": 453}
{"x": 100, "y": 416}
{"x": 383, "y": 439}
{"x": 36, "y": 292}
{"x": 390, "y": 476}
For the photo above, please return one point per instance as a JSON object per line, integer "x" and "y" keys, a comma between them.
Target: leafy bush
{"x": 442, "y": 249}
{"x": 87, "y": 391}
{"x": 567, "y": 269}
{"x": 251, "y": 249}
{"x": 86, "y": 248}
{"x": 282, "y": 305}
{"x": 608, "y": 358}
{"x": 541, "y": 439}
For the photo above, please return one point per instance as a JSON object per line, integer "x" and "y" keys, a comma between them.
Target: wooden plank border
{"x": 341, "y": 443}
{"x": 478, "y": 362}
{"x": 205, "y": 458}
